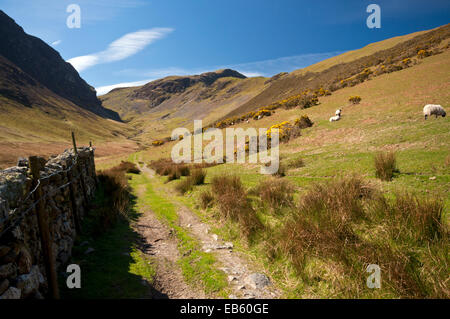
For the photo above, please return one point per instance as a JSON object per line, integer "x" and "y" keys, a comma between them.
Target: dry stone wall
{"x": 67, "y": 182}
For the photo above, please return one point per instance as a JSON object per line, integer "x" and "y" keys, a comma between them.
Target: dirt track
{"x": 160, "y": 243}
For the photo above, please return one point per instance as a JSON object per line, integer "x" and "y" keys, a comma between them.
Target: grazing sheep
{"x": 338, "y": 112}
{"x": 433, "y": 109}
{"x": 335, "y": 118}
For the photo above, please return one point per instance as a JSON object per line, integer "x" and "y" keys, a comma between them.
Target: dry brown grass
{"x": 322, "y": 227}
{"x": 411, "y": 244}
{"x": 322, "y": 220}
{"x": 416, "y": 219}
{"x": 385, "y": 165}
{"x": 127, "y": 167}
{"x": 115, "y": 196}
{"x": 276, "y": 194}
{"x": 197, "y": 177}
{"x": 234, "y": 204}
{"x": 206, "y": 199}
{"x": 173, "y": 171}
{"x": 166, "y": 167}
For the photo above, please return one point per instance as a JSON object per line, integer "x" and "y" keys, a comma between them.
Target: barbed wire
{"x": 23, "y": 214}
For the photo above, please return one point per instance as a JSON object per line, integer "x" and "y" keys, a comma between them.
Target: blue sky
{"x": 135, "y": 41}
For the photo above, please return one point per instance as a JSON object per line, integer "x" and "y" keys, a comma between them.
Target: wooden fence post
{"x": 74, "y": 144}
{"x": 43, "y": 222}
{"x": 93, "y": 164}
{"x": 80, "y": 170}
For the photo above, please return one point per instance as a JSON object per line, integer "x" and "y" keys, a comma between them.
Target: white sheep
{"x": 338, "y": 112}
{"x": 433, "y": 109}
{"x": 335, "y": 118}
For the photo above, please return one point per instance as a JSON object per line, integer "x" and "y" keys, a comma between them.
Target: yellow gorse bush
{"x": 157, "y": 143}
{"x": 303, "y": 100}
{"x": 283, "y": 130}
{"x": 423, "y": 53}
{"x": 354, "y": 99}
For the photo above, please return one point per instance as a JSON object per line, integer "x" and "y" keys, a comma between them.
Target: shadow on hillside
{"x": 116, "y": 268}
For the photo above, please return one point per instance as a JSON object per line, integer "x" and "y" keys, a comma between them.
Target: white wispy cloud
{"x": 121, "y": 48}
{"x": 105, "y": 89}
{"x": 251, "y": 74}
{"x": 55, "y": 43}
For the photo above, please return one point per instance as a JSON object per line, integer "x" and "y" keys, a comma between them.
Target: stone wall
{"x": 65, "y": 198}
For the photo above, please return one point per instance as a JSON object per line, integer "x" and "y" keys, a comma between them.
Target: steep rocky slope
{"x": 43, "y": 99}
{"x": 44, "y": 64}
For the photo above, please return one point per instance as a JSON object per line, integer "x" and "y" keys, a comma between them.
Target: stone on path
{"x": 257, "y": 280}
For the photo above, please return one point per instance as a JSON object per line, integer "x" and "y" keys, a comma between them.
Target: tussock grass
{"x": 385, "y": 165}
{"x": 276, "y": 194}
{"x": 415, "y": 219}
{"x": 197, "y": 177}
{"x": 173, "y": 171}
{"x": 349, "y": 222}
{"x": 113, "y": 183}
{"x": 127, "y": 167}
{"x": 206, "y": 199}
{"x": 321, "y": 222}
{"x": 233, "y": 203}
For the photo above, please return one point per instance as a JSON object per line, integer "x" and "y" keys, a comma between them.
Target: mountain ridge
{"x": 46, "y": 66}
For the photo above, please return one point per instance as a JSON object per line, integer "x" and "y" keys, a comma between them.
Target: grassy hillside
{"x": 160, "y": 106}
{"x": 329, "y": 74}
{"x": 389, "y": 117}
{"x": 46, "y": 130}
{"x": 36, "y": 121}
{"x": 315, "y": 229}
{"x": 359, "y": 53}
